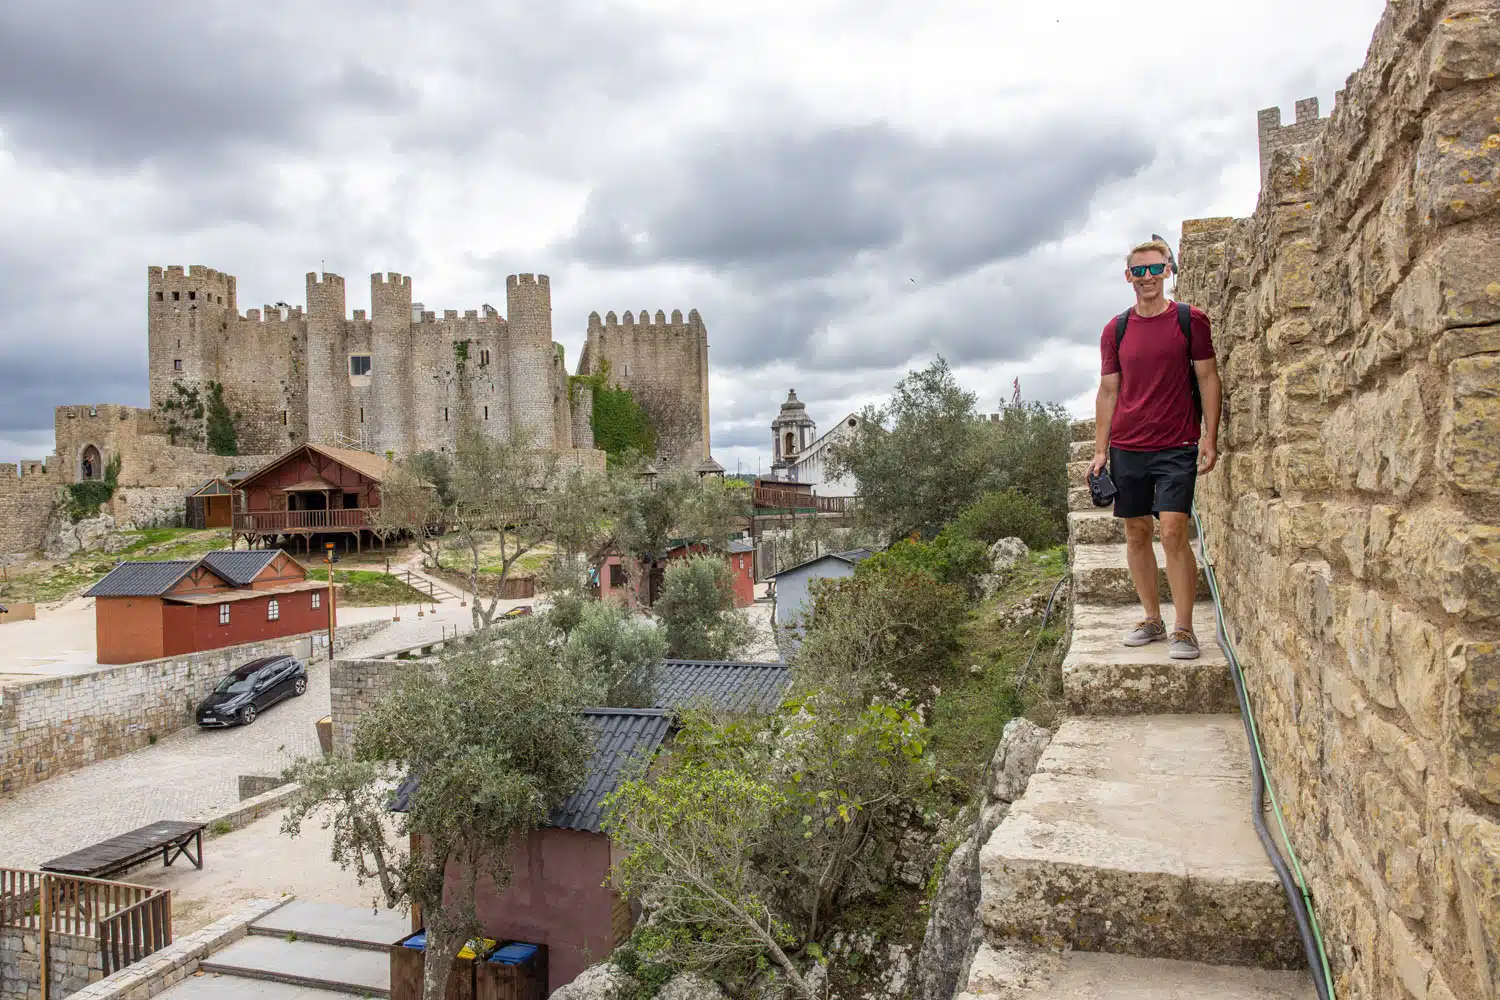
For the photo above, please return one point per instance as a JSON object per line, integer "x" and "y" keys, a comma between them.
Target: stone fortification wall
{"x": 73, "y": 962}
{"x": 148, "y": 458}
{"x": 665, "y": 364}
{"x": 28, "y": 493}
{"x": 53, "y": 726}
{"x": 1355, "y": 516}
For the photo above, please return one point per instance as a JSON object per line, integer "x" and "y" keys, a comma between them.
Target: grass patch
{"x": 45, "y": 582}
{"x": 365, "y": 588}
{"x": 970, "y": 714}
{"x": 455, "y": 557}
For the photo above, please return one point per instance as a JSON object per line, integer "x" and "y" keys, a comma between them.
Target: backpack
{"x": 1185, "y": 322}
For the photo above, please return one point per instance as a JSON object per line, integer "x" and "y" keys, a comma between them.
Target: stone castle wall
{"x": 1354, "y": 519}
{"x": 28, "y": 493}
{"x": 665, "y": 364}
{"x": 73, "y": 962}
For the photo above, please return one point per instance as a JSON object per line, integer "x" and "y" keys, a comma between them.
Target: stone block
{"x": 1287, "y": 333}
{"x": 1454, "y": 285}
{"x": 1394, "y": 829}
{"x": 1458, "y": 158}
{"x": 1420, "y": 670}
{"x": 1440, "y": 555}
{"x": 1471, "y": 442}
{"x": 1473, "y": 739}
{"x": 1414, "y": 964}
{"x": 1296, "y": 468}
{"x": 1366, "y": 639}
{"x": 1476, "y": 852}
{"x": 1381, "y": 442}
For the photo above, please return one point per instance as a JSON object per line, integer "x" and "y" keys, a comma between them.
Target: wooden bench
{"x": 173, "y": 838}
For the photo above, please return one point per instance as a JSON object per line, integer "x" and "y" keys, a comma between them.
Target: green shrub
{"x": 951, "y": 558}
{"x": 1007, "y": 514}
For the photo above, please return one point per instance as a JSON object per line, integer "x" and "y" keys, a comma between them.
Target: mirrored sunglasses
{"x": 1139, "y": 270}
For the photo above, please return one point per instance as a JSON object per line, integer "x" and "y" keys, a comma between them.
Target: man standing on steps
{"x": 1159, "y": 382}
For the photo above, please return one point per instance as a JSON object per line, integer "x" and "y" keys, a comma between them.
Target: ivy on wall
{"x": 620, "y": 424}
{"x": 85, "y": 498}
{"x": 221, "y": 436}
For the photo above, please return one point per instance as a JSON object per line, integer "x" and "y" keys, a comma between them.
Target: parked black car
{"x": 251, "y": 689}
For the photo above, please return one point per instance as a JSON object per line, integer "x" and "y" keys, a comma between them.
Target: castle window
{"x": 192, "y": 296}
{"x": 273, "y": 610}
{"x": 359, "y": 364}
{"x": 221, "y": 300}
{"x": 445, "y": 414}
{"x": 176, "y": 296}
{"x": 627, "y": 369}
{"x": 160, "y": 296}
{"x": 486, "y": 413}
{"x": 223, "y": 614}
{"x": 361, "y": 414}
{"x": 177, "y": 365}
{"x": 283, "y": 418}
{"x": 484, "y": 357}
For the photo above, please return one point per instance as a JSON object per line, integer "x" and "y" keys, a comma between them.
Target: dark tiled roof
{"x": 723, "y": 686}
{"x": 239, "y": 568}
{"x": 622, "y": 736}
{"x": 740, "y": 545}
{"x": 141, "y": 579}
{"x": 852, "y": 557}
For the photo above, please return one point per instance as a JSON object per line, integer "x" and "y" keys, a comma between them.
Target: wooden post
{"x": 43, "y": 937}
{"x": 329, "y": 558}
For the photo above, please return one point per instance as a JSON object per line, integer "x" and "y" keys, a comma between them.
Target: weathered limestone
{"x": 1014, "y": 974}
{"x": 1101, "y": 676}
{"x": 1354, "y": 521}
{"x": 1102, "y": 576}
{"x": 1133, "y": 838}
{"x": 1099, "y": 526}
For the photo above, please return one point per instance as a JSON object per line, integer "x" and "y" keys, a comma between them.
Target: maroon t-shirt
{"x": 1155, "y": 408}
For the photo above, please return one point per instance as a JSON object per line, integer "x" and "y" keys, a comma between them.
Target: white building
{"x": 800, "y": 456}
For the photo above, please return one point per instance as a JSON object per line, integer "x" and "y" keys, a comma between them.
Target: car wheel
{"x": 299, "y": 686}
{"x": 247, "y": 715}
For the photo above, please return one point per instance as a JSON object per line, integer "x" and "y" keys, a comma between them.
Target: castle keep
{"x": 401, "y": 379}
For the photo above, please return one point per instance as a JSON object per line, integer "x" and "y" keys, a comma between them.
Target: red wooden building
{"x": 618, "y": 576}
{"x": 314, "y": 489}
{"x": 147, "y": 610}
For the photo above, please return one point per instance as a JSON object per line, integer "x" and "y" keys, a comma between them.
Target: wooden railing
{"x": 765, "y": 496}
{"x": 129, "y": 921}
{"x": 269, "y": 521}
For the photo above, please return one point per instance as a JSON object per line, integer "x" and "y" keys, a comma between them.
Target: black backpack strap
{"x": 1121, "y": 321}
{"x": 1185, "y": 321}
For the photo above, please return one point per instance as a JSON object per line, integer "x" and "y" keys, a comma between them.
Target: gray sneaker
{"x": 1184, "y": 645}
{"x": 1149, "y": 630}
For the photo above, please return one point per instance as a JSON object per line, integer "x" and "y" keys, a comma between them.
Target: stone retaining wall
{"x": 72, "y": 963}
{"x": 53, "y": 726}
{"x": 1354, "y": 519}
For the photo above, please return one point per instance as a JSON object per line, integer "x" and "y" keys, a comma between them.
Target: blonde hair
{"x": 1157, "y": 245}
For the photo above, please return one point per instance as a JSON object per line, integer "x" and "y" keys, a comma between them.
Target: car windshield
{"x": 237, "y": 682}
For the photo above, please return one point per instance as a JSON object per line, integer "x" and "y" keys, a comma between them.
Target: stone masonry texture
{"x": 56, "y": 725}
{"x": 73, "y": 963}
{"x": 1354, "y": 519}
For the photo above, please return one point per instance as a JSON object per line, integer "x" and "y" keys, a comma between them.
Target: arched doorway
{"x": 790, "y": 448}
{"x": 90, "y": 465}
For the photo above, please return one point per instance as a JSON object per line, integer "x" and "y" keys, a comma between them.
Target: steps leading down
{"x": 1130, "y": 867}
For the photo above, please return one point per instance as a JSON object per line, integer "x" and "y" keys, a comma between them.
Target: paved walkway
{"x": 187, "y": 775}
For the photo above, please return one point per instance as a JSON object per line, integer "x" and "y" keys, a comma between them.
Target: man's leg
{"x": 1182, "y": 568}
{"x": 1143, "y": 569}
{"x": 1133, "y": 500}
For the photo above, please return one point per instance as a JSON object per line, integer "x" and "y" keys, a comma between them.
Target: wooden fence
{"x": 128, "y": 921}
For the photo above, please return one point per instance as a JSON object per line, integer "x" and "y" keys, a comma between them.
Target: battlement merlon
{"x": 693, "y": 323}
{"x": 216, "y": 285}
{"x": 513, "y": 280}
{"x": 1273, "y": 135}
{"x": 390, "y": 299}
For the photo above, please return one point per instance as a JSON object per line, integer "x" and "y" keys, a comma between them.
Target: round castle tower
{"x": 390, "y": 364}
{"x": 530, "y": 357}
{"x": 791, "y": 432}
{"x": 187, "y": 312}
{"x": 327, "y": 367}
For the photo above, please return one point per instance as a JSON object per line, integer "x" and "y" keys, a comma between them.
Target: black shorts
{"x": 1149, "y": 482}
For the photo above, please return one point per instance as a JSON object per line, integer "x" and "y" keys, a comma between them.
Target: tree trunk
{"x": 443, "y": 945}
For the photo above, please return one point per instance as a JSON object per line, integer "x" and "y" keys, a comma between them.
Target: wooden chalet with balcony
{"x": 312, "y": 490}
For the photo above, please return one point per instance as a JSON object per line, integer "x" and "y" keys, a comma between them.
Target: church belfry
{"x": 791, "y": 432}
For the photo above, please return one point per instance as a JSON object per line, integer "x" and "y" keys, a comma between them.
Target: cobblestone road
{"x": 188, "y": 775}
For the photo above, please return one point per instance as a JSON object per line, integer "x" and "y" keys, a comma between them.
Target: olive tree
{"x": 495, "y": 746}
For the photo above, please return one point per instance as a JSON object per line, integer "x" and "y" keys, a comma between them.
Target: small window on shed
{"x": 223, "y": 614}
{"x": 317, "y": 600}
{"x": 273, "y": 610}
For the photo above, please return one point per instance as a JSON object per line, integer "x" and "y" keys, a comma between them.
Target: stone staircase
{"x": 1130, "y": 867}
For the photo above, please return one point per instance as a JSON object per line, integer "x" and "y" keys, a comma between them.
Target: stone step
{"x": 1081, "y": 451}
{"x": 329, "y": 923}
{"x": 1102, "y": 676}
{"x": 1102, "y": 576}
{"x": 1078, "y": 472}
{"x": 221, "y": 987}
{"x": 1134, "y": 837}
{"x": 1079, "y": 498}
{"x": 305, "y": 963}
{"x": 1083, "y": 430}
{"x": 1023, "y": 974}
{"x": 1099, "y": 526}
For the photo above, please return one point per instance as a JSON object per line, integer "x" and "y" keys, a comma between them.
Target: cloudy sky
{"x": 843, "y": 188}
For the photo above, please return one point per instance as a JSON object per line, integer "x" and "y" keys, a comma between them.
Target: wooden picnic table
{"x": 173, "y": 838}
